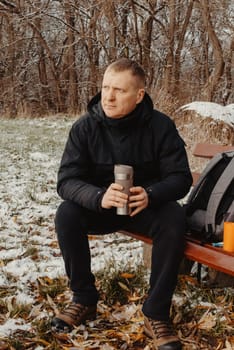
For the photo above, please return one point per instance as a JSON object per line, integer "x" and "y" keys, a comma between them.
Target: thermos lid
{"x": 123, "y": 169}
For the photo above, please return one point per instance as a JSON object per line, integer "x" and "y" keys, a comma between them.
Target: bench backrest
{"x": 206, "y": 150}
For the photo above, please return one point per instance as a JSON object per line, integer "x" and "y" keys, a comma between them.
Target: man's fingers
{"x": 138, "y": 201}
{"x": 136, "y": 211}
{"x": 115, "y": 186}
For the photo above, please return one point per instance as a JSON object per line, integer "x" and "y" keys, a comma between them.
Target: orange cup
{"x": 228, "y": 236}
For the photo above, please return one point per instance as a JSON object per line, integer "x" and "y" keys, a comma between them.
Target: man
{"x": 121, "y": 127}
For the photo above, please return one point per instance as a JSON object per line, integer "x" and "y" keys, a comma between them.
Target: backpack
{"x": 211, "y": 201}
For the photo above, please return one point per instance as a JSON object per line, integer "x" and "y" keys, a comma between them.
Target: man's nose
{"x": 111, "y": 94}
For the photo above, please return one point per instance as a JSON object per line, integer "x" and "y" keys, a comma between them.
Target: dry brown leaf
{"x": 93, "y": 237}
{"x": 146, "y": 347}
{"x": 36, "y": 310}
{"x": 137, "y": 336}
{"x": 62, "y": 336}
{"x": 190, "y": 279}
{"x": 123, "y": 286}
{"x": 134, "y": 298}
{"x": 10, "y": 306}
{"x": 14, "y": 218}
{"x": 207, "y": 321}
{"x": 178, "y": 317}
{"x": 228, "y": 346}
{"x": 41, "y": 341}
{"x": 127, "y": 275}
{"x": 125, "y": 313}
{"x": 48, "y": 280}
{"x": 53, "y": 244}
{"x": 52, "y": 304}
{"x": 3, "y": 345}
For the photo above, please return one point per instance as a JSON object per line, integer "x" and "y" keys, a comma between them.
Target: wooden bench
{"x": 206, "y": 254}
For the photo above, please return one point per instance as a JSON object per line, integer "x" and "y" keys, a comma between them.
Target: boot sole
{"x": 60, "y": 325}
{"x": 149, "y": 334}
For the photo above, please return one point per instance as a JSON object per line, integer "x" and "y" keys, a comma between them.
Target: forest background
{"x": 52, "y": 57}
{"x": 53, "y": 52}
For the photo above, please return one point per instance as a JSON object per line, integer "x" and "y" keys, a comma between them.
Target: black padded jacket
{"x": 145, "y": 139}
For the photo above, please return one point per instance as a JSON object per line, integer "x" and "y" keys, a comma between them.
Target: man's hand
{"x": 113, "y": 197}
{"x": 138, "y": 200}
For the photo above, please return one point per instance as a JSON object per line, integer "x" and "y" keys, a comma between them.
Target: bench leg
{"x": 147, "y": 253}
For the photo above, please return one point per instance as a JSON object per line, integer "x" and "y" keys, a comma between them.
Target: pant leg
{"x": 166, "y": 226}
{"x": 72, "y": 224}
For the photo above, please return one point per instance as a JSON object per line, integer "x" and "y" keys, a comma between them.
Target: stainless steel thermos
{"x": 124, "y": 177}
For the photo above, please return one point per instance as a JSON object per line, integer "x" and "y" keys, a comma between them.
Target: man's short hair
{"x": 124, "y": 64}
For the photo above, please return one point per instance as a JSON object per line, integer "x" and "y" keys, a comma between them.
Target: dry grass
{"x": 195, "y": 129}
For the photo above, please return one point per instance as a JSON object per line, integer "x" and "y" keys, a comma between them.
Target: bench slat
{"x": 217, "y": 258}
{"x": 206, "y": 150}
{"x": 206, "y": 254}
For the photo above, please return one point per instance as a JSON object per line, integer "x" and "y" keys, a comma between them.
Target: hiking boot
{"x": 73, "y": 315}
{"x": 162, "y": 334}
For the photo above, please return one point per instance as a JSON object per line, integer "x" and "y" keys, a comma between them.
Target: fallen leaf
{"x": 134, "y": 298}
{"x": 127, "y": 275}
{"x": 123, "y": 286}
{"x": 207, "y": 321}
{"x": 228, "y": 345}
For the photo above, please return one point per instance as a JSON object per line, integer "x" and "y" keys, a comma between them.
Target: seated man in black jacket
{"x": 122, "y": 127}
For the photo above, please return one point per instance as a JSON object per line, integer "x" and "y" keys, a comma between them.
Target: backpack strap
{"x": 203, "y": 175}
{"x": 218, "y": 191}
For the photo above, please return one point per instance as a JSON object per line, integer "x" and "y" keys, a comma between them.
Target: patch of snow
{"x": 39, "y": 157}
{"x": 3, "y": 281}
{"x": 12, "y": 325}
{"x": 212, "y": 110}
{"x": 11, "y": 253}
{"x": 21, "y": 298}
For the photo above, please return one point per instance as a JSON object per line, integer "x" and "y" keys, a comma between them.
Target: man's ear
{"x": 140, "y": 96}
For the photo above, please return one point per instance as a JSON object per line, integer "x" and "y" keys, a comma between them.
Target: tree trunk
{"x": 71, "y": 59}
{"x": 45, "y": 96}
{"x": 180, "y": 45}
{"x": 217, "y": 71}
{"x": 229, "y": 82}
{"x": 168, "y": 73}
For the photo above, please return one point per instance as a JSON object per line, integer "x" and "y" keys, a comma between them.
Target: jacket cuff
{"x": 149, "y": 192}
{"x": 100, "y": 195}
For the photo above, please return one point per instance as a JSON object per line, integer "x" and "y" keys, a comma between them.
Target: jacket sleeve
{"x": 75, "y": 169}
{"x": 175, "y": 176}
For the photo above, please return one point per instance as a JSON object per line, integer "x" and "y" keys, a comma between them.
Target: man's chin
{"x": 113, "y": 115}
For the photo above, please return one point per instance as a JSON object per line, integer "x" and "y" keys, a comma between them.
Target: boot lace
{"x": 162, "y": 329}
{"x": 74, "y": 310}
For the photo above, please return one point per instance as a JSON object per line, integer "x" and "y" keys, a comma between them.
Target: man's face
{"x": 121, "y": 92}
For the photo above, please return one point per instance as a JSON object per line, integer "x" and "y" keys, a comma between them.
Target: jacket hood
{"x": 142, "y": 112}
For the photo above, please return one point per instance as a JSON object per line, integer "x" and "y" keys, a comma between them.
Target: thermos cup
{"x": 124, "y": 177}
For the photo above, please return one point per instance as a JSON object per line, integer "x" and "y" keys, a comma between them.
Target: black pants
{"x": 165, "y": 225}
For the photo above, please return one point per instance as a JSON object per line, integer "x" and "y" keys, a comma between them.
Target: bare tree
{"x": 71, "y": 58}
{"x": 217, "y": 53}
{"x": 53, "y": 52}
